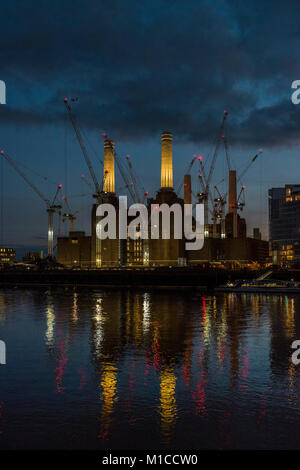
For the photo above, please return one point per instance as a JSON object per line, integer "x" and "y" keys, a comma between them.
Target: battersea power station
{"x": 225, "y": 239}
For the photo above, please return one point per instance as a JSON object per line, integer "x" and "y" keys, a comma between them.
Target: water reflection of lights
{"x": 291, "y": 375}
{"x": 98, "y": 319}
{"x": 50, "y": 316}
{"x": 187, "y": 365}
{"x": 221, "y": 338}
{"x": 75, "y": 307}
{"x": 108, "y": 396}
{"x": 156, "y": 346}
{"x": 255, "y": 304}
{"x": 137, "y": 319}
{"x": 290, "y": 316}
{"x": 146, "y": 312}
{"x": 61, "y": 362}
{"x": 199, "y": 396}
{"x": 206, "y": 322}
{"x": 168, "y": 407}
{"x": 214, "y": 305}
{"x": 245, "y": 372}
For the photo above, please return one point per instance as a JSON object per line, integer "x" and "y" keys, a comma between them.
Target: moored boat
{"x": 271, "y": 286}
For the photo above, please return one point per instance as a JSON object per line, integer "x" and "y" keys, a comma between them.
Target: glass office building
{"x": 284, "y": 224}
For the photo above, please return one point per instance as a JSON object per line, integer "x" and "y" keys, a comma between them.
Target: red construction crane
{"x": 51, "y": 207}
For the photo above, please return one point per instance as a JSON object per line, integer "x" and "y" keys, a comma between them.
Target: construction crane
{"x": 240, "y": 202}
{"x": 206, "y": 191}
{"x": 69, "y": 215}
{"x": 219, "y": 212}
{"x": 203, "y": 196}
{"x": 188, "y": 170}
{"x": 83, "y": 177}
{"x": 146, "y": 194}
{"x": 226, "y": 152}
{"x": 133, "y": 179}
{"x": 218, "y": 202}
{"x": 248, "y": 166}
{"x": 201, "y": 193}
{"x": 51, "y": 207}
{"x": 245, "y": 170}
{"x": 211, "y": 170}
{"x": 122, "y": 189}
{"x": 97, "y": 193}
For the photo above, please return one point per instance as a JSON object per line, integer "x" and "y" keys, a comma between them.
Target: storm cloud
{"x": 142, "y": 66}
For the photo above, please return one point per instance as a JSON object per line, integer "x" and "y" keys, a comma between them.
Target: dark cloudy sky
{"x": 139, "y": 67}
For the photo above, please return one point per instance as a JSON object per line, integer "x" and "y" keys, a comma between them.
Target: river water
{"x": 134, "y": 369}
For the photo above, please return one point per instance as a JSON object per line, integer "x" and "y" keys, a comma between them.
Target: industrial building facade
{"x": 7, "y": 255}
{"x": 225, "y": 240}
{"x": 284, "y": 224}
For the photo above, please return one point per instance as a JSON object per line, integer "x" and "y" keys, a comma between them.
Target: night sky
{"x": 140, "y": 67}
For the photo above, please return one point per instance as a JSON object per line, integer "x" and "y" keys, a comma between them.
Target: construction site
{"x": 226, "y": 243}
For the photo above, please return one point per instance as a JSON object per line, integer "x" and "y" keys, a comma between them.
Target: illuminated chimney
{"x": 109, "y": 167}
{"x": 232, "y": 192}
{"x": 166, "y": 160}
{"x": 187, "y": 189}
